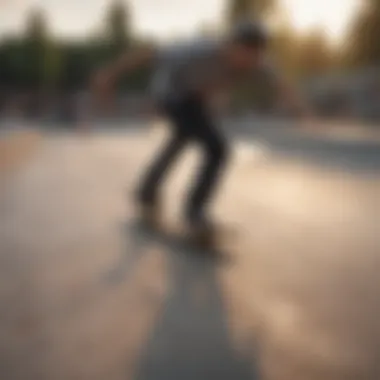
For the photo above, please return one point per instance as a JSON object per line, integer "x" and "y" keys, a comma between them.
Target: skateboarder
{"x": 186, "y": 80}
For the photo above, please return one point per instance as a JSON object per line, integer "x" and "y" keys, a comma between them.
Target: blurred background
{"x": 49, "y": 48}
{"x": 85, "y": 293}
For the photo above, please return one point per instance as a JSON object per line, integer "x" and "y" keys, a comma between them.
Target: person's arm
{"x": 124, "y": 64}
{"x": 104, "y": 79}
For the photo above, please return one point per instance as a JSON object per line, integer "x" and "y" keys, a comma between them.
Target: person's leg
{"x": 155, "y": 174}
{"x": 178, "y": 114}
{"x": 215, "y": 149}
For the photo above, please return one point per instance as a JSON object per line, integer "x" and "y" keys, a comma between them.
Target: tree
{"x": 74, "y": 67}
{"x": 315, "y": 55}
{"x": 285, "y": 47}
{"x": 36, "y": 29}
{"x": 41, "y": 55}
{"x": 12, "y": 64}
{"x": 247, "y": 9}
{"x": 37, "y": 63}
{"x": 118, "y": 28}
{"x": 363, "y": 48}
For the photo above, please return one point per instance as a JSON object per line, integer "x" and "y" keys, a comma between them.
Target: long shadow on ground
{"x": 191, "y": 338}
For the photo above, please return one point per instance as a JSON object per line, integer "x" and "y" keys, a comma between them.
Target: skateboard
{"x": 195, "y": 238}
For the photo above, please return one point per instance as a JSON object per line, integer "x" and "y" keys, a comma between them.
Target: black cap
{"x": 250, "y": 34}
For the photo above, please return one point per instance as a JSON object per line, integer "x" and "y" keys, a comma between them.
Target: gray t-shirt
{"x": 197, "y": 66}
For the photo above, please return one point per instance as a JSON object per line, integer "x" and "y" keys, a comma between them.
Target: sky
{"x": 165, "y": 19}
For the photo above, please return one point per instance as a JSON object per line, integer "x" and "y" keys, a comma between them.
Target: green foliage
{"x": 35, "y": 50}
{"x": 12, "y": 64}
{"x": 36, "y": 61}
{"x": 117, "y": 26}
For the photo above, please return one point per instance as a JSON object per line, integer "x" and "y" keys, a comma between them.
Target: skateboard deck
{"x": 197, "y": 239}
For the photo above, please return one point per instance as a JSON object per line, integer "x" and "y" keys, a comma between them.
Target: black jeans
{"x": 190, "y": 123}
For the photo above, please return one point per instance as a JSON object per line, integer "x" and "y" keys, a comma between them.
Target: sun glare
{"x": 332, "y": 15}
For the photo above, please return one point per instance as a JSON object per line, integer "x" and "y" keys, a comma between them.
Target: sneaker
{"x": 201, "y": 227}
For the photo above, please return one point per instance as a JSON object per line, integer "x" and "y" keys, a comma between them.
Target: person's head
{"x": 246, "y": 45}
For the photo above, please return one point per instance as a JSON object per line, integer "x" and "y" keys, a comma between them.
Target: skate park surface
{"x": 84, "y": 294}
